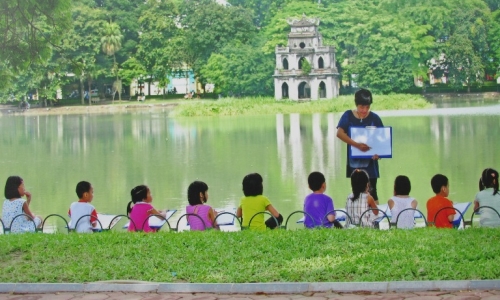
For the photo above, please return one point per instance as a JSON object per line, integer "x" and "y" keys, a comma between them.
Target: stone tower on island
{"x": 305, "y": 69}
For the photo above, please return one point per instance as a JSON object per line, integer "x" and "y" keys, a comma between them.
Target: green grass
{"x": 322, "y": 255}
{"x": 254, "y": 106}
{"x": 268, "y": 105}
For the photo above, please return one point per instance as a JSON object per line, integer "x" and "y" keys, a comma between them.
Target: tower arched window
{"x": 322, "y": 90}
{"x": 304, "y": 90}
{"x": 285, "y": 63}
{"x": 301, "y": 62}
{"x": 321, "y": 63}
{"x": 284, "y": 90}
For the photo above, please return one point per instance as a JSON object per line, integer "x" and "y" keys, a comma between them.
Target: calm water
{"x": 117, "y": 152}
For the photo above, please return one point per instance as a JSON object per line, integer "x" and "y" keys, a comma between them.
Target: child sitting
{"x": 197, "y": 197}
{"x": 83, "y": 214}
{"x": 488, "y": 196}
{"x": 142, "y": 209}
{"x": 14, "y": 205}
{"x": 401, "y": 201}
{"x": 254, "y": 203}
{"x": 359, "y": 201}
{"x": 441, "y": 188}
{"x": 317, "y": 205}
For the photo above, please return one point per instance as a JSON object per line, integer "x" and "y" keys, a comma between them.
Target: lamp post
{"x": 140, "y": 84}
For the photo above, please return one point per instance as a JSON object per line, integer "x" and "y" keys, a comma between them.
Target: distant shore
{"x": 222, "y": 107}
{"x": 246, "y": 105}
{"x": 100, "y": 108}
{"x": 471, "y": 96}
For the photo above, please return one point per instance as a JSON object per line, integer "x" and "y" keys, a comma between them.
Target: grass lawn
{"x": 269, "y": 106}
{"x": 322, "y": 255}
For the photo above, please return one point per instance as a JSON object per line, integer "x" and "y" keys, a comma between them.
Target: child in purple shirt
{"x": 197, "y": 198}
{"x": 317, "y": 205}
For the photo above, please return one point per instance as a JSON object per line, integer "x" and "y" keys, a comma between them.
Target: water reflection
{"x": 117, "y": 152}
{"x": 321, "y": 148}
{"x": 280, "y": 143}
{"x": 333, "y": 146}
{"x": 317, "y": 149}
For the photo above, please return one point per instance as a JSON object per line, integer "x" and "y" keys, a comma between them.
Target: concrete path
{"x": 129, "y": 290}
{"x": 460, "y": 295}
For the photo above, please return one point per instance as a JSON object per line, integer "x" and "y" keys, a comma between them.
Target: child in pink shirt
{"x": 141, "y": 210}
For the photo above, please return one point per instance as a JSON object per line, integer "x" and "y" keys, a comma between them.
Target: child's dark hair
{"x": 438, "y": 181}
{"x": 81, "y": 188}
{"x": 489, "y": 179}
{"x": 252, "y": 185}
{"x": 402, "y": 185}
{"x": 363, "y": 97}
{"x": 12, "y": 187}
{"x": 359, "y": 183}
{"x": 138, "y": 194}
{"x": 194, "y": 190}
{"x": 315, "y": 181}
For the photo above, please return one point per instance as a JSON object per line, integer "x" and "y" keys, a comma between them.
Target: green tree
{"x": 155, "y": 49}
{"x": 494, "y": 5}
{"x": 81, "y": 45}
{"x": 459, "y": 32}
{"x": 467, "y": 48}
{"x": 27, "y": 81}
{"x": 241, "y": 69}
{"x": 111, "y": 42}
{"x": 382, "y": 49}
{"x": 494, "y": 43}
{"x": 276, "y": 32}
{"x": 30, "y": 30}
{"x": 385, "y": 50}
{"x": 131, "y": 69}
{"x": 263, "y": 10}
{"x": 48, "y": 86}
{"x": 207, "y": 27}
{"x": 126, "y": 14}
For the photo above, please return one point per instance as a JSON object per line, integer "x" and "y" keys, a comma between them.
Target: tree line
{"x": 386, "y": 44}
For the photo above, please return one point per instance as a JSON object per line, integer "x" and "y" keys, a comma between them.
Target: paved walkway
{"x": 461, "y": 295}
{"x": 130, "y": 290}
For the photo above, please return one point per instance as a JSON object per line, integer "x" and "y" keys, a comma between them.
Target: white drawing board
{"x": 379, "y": 139}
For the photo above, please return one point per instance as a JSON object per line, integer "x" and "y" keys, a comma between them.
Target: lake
{"x": 116, "y": 152}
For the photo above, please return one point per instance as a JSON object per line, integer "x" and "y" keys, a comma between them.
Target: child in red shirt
{"x": 441, "y": 187}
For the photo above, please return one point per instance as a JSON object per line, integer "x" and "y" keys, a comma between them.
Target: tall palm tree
{"x": 111, "y": 42}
